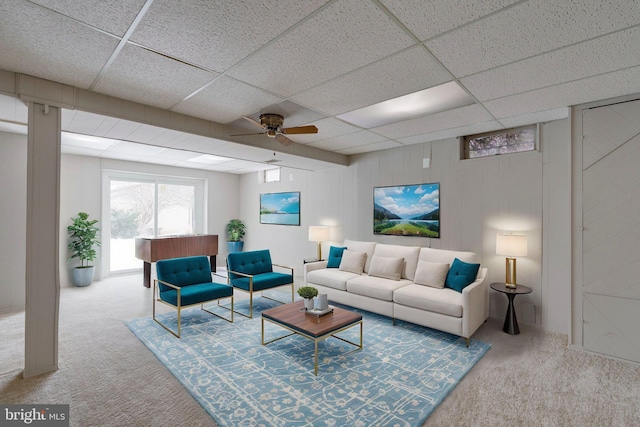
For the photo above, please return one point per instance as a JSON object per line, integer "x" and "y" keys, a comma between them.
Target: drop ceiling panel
{"x": 122, "y": 129}
{"x": 427, "y": 19}
{"x": 234, "y": 29}
{"x": 409, "y": 71}
{"x": 175, "y": 155}
{"x": 537, "y": 117}
{"x": 51, "y": 43}
{"x": 317, "y": 50}
{"x": 453, "y": 118}
{"x": 527, "y": 29}
{"x": 113, "y": 16}
{"x": 452, "y": 132}
{"x": 573, "y": 93}
{"x": 614, "y": 51}
{"x": 85, "y": 123}
{"x": 135, "y": 149}
{"x": 225, "y": 99}
{"x": 146, "y": 77}
{"x": 356, "y": 139}
{"x": 327, "y": 128}
{"x": 384, "y": 145}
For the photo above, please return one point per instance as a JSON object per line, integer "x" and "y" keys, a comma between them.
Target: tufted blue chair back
{"x": 251, "y": 262}
{"x": 183, "y": 271}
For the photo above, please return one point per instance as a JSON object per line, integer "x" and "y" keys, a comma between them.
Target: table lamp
{"x": 319, "y": 233}
{"x": 511, "y": 245}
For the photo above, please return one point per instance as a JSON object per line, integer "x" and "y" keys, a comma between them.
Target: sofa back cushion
{"x": 447, "y": 256}
{"x": 409, "y": 253}
{"x": 385, "y": 267}
{"x": 352, "y": 261}
{"x": 335, "y": 256}
{"x": 366, "y": 247}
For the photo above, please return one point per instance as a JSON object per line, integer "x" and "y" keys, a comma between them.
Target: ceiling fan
{"x": 272, "y": 127}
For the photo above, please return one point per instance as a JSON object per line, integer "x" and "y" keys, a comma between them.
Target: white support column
{"x": 43, "y": 217}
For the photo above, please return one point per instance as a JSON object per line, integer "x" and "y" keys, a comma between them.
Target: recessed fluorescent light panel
{"x": 209, "y": 159}
{"x": 429, "y": 101}
{"x": 86, "y": 141}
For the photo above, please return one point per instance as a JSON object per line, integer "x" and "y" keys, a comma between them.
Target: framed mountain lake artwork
{"x": 407, "y": 210}
{"x": 280, "y": 208}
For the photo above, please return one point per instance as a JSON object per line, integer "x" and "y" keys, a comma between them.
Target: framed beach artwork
{"x": 280, "y": 208}
{"x": 407, "y": 210}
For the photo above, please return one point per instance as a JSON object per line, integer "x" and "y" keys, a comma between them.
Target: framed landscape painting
{"x": 407, "y": 210}
{"x": 280, "y": 208}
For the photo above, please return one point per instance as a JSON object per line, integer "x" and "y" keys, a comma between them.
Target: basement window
{"x": 508, "y": 141}
{"x": 272, "y": 175}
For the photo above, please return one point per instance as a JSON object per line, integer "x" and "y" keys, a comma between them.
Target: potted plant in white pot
{"x": 235, "y": 233}
{"x": 308, "y": 293}
{"x": 84, "y": 237}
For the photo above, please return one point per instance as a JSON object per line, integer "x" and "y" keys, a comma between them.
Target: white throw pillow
{"x": 387, "y": 268}
{"x": 431, "y": 274}
{"x": 353, "y": 261}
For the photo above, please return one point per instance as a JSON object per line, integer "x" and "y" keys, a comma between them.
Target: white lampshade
{"x": 318, "y": 233}
{"x": 511, "y": 244}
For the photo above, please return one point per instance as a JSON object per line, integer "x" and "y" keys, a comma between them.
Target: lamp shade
{"x": 318, "y": 233}
{"x": 511, "y": 244}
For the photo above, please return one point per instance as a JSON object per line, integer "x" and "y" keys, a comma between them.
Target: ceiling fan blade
{"x": 283, "y": 140}
{"x": 300, "y": 130}
{"x": 255, "y": 122}
{"x": 245, "y": 134}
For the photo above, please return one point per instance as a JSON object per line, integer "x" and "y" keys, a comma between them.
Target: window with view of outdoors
{"x": 147, "y": 209}
{"x": 502, "y": 142}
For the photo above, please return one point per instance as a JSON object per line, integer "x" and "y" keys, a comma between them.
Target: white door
{"x": 611, "y": 230}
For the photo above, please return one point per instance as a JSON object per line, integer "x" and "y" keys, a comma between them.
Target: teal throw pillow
{"x": 335, "y": 256}
{"x": 461, "y": 274}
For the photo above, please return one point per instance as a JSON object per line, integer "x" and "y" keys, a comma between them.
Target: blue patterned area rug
{"x": 398, "y": 379}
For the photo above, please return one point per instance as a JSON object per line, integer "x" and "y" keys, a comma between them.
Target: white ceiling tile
{"x": 327, "y": 46}
{"x": 409, "y": 71}
{"x": 327, "y": 128}
{"x": 528, "y": 29}
{"x": 169, "y": 138}
{"x": 80, "y": 151}
{"x": 84, "y": 123}
{"x": 114, "y": 16}
{"x": 384, "y": 145}
{"x": 135, "y": 149}
{"x": 537, "y": 117}
{"x": 605, "y": 86}
{"x": 427, "y": 19}
{"x": 453, "y": 118}
{"x": 217, "y": 34}
{"x": 362, "y": 137}
{"x": 146, "y": 133}
{"x": 225, "y": 99}
{"x": 175, "y": 155}
{"x": 614, "y": 51}
{"x": 122, "y": 129}
{"x": 452, "y": 133}
{"x": 54, "y": 47}
{"x": 86, "y": 141}
{"x": 149, "y": 78}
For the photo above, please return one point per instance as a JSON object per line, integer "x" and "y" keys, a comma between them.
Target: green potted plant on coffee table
{"x": 308, "y": 293}
{"x": 84, "y": 237}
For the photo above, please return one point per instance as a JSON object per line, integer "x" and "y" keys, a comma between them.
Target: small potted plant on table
{"x": 308, "y": 293}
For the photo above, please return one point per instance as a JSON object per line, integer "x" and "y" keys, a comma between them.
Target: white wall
{"x": 13, "y": 220}
{"x": 479, "y": 197}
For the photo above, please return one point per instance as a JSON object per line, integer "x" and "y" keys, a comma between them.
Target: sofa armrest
{"x": 312, "y": 266}
{"x": 475, "y": 304}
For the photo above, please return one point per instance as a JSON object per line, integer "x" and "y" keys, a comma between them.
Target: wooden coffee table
{"x": 291, "y": 317}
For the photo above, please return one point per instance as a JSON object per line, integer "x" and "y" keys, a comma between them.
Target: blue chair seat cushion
{"x": 197, "y": 294}
{"x": 263, "y": 281}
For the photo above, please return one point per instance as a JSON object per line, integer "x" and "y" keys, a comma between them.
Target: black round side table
{"x": 510, "y": 321}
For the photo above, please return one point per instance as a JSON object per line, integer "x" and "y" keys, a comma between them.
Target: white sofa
{"x": 445, "y": 309}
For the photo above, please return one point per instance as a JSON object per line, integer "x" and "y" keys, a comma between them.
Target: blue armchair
{"x": 184, "y": 282}
{"x": 252, "y": 271}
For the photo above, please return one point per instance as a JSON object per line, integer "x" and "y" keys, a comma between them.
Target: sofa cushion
{"x": 366, "y": 247}
{"x": 443, "y": 301}
{"x": 335, "y": 256}
{"x": 353, "y": 261}
{"x": 331, "y": 278}
{"x": 409, "y": 253}
{"x": 432, "y": 274}
{"x": 385, "y": 267}
{"x": 461, "y": 274}
{"x": 375, "y": 287}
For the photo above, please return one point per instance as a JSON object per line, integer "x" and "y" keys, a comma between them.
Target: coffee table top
{"x": 292, "y": 316}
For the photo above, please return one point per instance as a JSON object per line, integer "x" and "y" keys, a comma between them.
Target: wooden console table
{"x": 153, "y": 249}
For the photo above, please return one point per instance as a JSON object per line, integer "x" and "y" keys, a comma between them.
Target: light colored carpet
{"x": 111, "y": 379}
{"x": 397, "y": 379}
